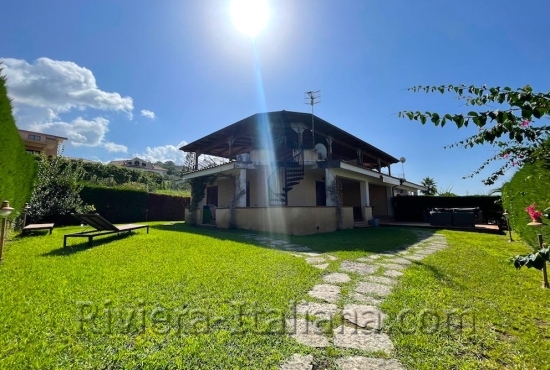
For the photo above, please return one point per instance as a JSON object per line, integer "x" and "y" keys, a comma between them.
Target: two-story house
{"x": 288, "y": 167}
{"x": 38, "y": 142}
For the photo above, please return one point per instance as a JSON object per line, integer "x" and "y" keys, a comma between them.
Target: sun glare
{"x": 250, "y": 16}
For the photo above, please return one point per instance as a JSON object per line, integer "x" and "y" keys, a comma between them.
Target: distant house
{"x": 41, "y": 143}
{"x": 141, "y": 165}
{"x": 285, "y": 164}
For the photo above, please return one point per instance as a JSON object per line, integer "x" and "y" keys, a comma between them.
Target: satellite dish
{"x": 402, "y": 160}
{"x": 321, "y": 151}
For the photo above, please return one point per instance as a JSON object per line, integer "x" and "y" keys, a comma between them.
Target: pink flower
{"x": 505, "y": 155}
{"x": 514, "y": 163}
{"x": 525, "y": 123}
{"x": 533, "y": 213}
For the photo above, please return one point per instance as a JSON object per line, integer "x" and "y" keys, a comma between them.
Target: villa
{"x": 283, "y": 173}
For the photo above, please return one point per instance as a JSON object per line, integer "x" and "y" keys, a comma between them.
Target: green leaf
{"x": 538, "y": 112}
{"x": 472, "y": 114}
{"x": 410, "y": 115}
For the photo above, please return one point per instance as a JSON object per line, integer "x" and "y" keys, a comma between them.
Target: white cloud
{"x": 164, "y": 153}
{"x": 44, "y": 90}
{"x": 81, "y": 132}
{"x": 59, "y": 86}
{"x": 148, "y": 113}
{"x": 113, "y": 148}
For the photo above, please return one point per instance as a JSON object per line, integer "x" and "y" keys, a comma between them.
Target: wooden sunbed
{"x": 32, "y": 227}
{"x": 101, "y": 226}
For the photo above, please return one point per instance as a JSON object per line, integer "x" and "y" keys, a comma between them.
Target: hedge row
{"x": 125, "y": 206}
{"x": 17, "y": 167}
{"x": 411, "y": 208}
{"x": 529, "y": 185}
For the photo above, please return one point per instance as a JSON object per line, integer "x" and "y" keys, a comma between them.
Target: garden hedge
{"x": 528, "y": 185}
{"x": 17, "y": 167}
{"x": 125, "y": 205}
{"x": 411, "y": 208}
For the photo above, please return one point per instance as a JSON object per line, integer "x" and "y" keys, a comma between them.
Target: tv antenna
{"x": 312, "y": 98}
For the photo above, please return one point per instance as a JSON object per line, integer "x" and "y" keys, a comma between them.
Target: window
{"x": 136, "y": 163}
{"x": 33, "y": 151}
{"x": 34, "y": 137}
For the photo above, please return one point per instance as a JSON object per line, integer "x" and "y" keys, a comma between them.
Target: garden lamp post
{"x": 507, "y": 217}
{"x": 545, "y": 283}
{"x": 25, "y": 211}
{"x": 5, "y": 211}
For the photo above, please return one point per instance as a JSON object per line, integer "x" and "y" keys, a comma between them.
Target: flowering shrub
{"x": 533, "y": 213}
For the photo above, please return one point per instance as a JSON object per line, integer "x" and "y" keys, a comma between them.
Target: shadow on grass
{"x": 82, "y": 246}
{"x": 434, "y": 271}
{"x": 372, "y": 240}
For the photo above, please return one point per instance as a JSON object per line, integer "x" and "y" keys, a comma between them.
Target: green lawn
{"x": 475, "y": 277}
{"x": 48, "y": 294}
{"x": 184, "y": 297}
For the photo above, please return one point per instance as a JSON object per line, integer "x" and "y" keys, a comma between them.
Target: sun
{"x": 250, "y": 16}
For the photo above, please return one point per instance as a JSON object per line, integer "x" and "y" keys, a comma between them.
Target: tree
{"x": 57, "y": 188}
{"x": 430, "y": 185}
{"x": 509, "y": 129}
{"x": 17, "y": 167}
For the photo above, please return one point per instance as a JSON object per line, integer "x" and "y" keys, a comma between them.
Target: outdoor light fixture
{"x": 5, "y": 211}
{"x": 25, "y": 211}
{"x": 507, "y": 217}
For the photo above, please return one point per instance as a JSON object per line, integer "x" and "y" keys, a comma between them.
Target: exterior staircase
{"x": 287, "y": 174}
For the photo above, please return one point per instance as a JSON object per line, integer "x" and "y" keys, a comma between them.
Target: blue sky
{"x": 124, "y": 78}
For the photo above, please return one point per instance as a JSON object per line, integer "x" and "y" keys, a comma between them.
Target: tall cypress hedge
{"x": 529, "y": 185}
{"x": 17, "y": 167}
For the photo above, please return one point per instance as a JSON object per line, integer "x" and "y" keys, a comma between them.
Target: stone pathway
{"x": 362, "y": 325}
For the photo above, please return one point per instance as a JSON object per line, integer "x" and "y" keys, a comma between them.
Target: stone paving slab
{"x": 298, "y": 362}
{"x": 364, "y": 316}
{"x": 330, "y": 257}
{"x": 367, "y": 363}
{"x": 315, "y": 260}
{"x": 358, "y": 268}
{"x": 322, "y": 266}
{"x": 366, "y": 299}
{"x": 375, "y": 289}
{"x": 393, "y": 266}
{"x": 313, "y": 254}
{"x": 400, "y": 261}
{"x": 393, "y": 273}
{"x": 336, "y": 278}
{"x": 325, "y": 311}
{"x": 370, "y": 258}
{"x": 381, "y": 280}
{"x": 306, "y": 333}
{"x": 326, "y": 292}
{"x": 415, "y": 257}
{"x": 363, "y": 339}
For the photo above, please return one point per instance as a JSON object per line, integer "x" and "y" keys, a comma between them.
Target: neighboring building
{"x": 286, "y": 164}
{"x": 140, "y": 164}
{"x": 37, "y": 142}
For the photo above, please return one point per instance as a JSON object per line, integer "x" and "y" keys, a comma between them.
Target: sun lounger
{"x": 32, "y": 227}
{"x": 101, "y": 226}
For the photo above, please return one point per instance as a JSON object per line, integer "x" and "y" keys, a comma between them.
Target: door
{"x": 320, "y": 194}
{"x": 212, "y": 195}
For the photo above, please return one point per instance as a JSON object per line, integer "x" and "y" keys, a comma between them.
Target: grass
{"x": 49, "y": 293}
{"x": 474, "y": 276}
{"x": 186, "y": 298}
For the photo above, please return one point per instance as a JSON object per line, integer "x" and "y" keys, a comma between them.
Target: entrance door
{"x": 212, "y": 195}
{"x": 320, "y": 194}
